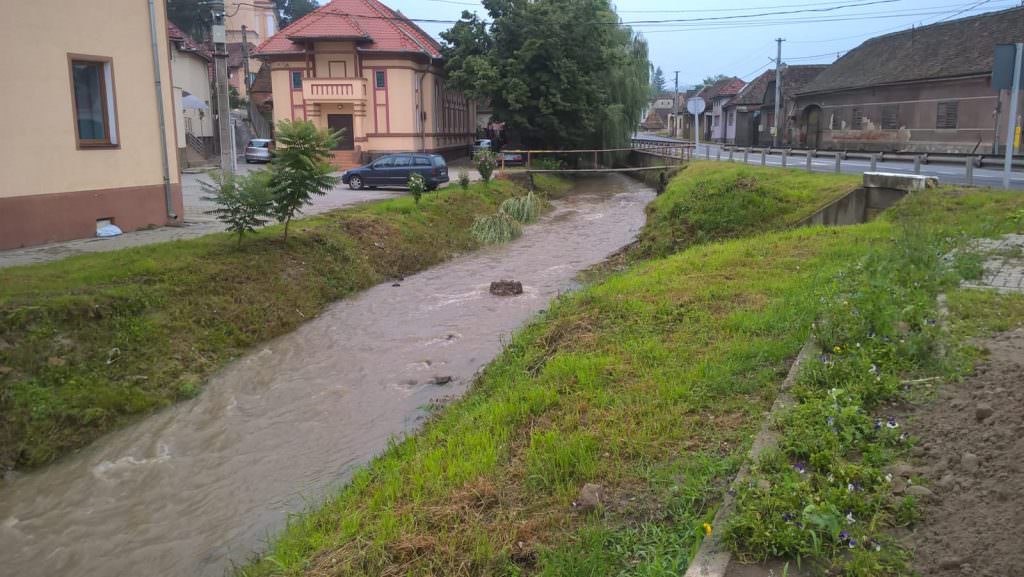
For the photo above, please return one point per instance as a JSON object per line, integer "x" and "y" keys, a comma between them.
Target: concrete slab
{"x": 894, "y": 181}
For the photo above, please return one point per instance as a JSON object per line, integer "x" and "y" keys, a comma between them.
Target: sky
{"x": 737, "y": 38}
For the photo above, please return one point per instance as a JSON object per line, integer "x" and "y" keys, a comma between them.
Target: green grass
{"x": 713, "y": 201}
{"x": 90, "y": 342}
{"x": 651, "y": 384}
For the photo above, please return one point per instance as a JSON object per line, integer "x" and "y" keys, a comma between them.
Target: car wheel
{"x": 355, "y": 183}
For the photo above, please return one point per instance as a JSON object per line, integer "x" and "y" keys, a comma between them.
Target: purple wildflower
{"x": 844, "y": 535}
{"x": 800, "y": 467}
{"x": 878, "y": 424}
{"x": 891, "y": 423}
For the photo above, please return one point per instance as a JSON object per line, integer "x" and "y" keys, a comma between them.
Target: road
{"x": 946, "y": 173}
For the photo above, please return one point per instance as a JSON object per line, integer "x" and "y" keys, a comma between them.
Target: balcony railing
{"x": 333, "y": 89}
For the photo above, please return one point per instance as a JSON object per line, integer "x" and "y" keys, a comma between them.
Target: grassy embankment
{"x": 650, "y": 384}
{"x": 90, "y": 342}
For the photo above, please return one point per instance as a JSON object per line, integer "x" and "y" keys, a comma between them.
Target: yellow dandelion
{"x": 837, "y": 349}
{"x": 707, "y": 529}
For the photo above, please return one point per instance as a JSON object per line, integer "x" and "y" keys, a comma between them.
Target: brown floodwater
{"x": 205, "y": 484}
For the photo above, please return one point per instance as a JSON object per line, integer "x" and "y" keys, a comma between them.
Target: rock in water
{"x": 506, "y": 288}
{"x": 983, "y": 411}
{"x": 590, "y": 497}
{"x": 442, "y": 380}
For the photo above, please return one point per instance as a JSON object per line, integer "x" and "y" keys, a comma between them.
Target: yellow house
{"x": 359, "y": 66}
{"x": 90, "y": 120}
{"x": 259, "y": 18}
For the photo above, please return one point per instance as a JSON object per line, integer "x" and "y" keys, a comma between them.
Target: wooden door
{"x": 342, "y": 122}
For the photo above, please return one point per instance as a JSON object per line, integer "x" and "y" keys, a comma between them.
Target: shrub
{"x": 244, "y": 203}
{"x": 522, "y": 209}
{"x": 464, "y": 179}
{"x": 496, "y": 229}
{"x": 485, "y": 162}
{"x": 300, "y": 168}
{"x": 547, "y": 164}
{"x": 417, "y": 185}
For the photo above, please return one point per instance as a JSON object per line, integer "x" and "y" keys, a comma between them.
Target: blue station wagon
{"x": 394, "y": 170}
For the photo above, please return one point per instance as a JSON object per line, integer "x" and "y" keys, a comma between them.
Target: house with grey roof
{"x": 926, "y": 89}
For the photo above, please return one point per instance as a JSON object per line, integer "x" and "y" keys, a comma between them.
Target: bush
{"x": 522, "y": 209}
{"x": 496, "y": 229}
{"x": 244, "y": 203}
{"x": 485, "y": 162}
{"x": 300, "y": 168}
{"x": 417, "y": 185}
{"x": 547, "y": 164}
{"x": 464, "y": 179}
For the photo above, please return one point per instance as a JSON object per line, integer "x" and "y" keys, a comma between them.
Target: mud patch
{"x": 971, "y": 454}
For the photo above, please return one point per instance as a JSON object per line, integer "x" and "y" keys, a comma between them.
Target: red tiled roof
{"x": 374, "y": 26}
{"x": 178, "y": 36}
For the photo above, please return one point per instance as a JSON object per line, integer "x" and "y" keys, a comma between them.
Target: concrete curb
{"x": 713, "y": 558}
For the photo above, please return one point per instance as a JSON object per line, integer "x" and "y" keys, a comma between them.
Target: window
{"x": 380, "y": 79}
{"x": 386, "y": 162}
{"x": 271, "y": 25}
{"x": 296, "y": 80}
{"x": 857, "y": 120}
{"x": 947, "y": 115}
{"x": 715, "y": 119}
{"x": 421, "y": 161}
{"x": 890, "y": 117}
{"x": 403, "y": 161}
{"x": 732, "y": 117}
{"x": 837, "y": 120}
{"x": 92, "y": 85}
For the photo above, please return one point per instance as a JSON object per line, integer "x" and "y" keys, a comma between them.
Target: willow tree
{"x": 560, "y": 73}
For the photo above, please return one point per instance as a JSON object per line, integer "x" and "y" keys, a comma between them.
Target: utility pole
{"x": 1011, "y": 124}
{"x": 245, "y": 59}
{"x": 777, "y": 137}
{"x": 675, "y": 108}
{"x": 220, "y": 84}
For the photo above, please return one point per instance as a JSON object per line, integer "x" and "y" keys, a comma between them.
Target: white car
{"x": 480, "y": 145}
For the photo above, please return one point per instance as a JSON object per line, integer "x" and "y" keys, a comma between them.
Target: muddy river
{"x": 204, "y": 485}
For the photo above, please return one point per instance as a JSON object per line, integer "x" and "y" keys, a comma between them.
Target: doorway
{"x": 755, "y": 128}
{"x": 342, "y": 122}
{"x": 812, "y": 127}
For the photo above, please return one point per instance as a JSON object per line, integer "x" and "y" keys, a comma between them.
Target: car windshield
{"x": 259, "y": 144}
{"x": 483, "y": 142}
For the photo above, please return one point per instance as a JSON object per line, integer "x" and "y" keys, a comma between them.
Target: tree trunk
{"x": 287, "y": 221}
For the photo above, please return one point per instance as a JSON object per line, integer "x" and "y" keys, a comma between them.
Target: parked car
{"x": 511, "y": 158}
{"x": 258, "y": 150}
{"x": 481, "y": 145}
{"x": 395, "y": 169}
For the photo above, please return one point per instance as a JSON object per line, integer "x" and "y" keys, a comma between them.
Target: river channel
{"x": 205, "y": 484}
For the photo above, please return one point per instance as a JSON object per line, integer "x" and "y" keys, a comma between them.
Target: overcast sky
{"x": 739, "y": 38}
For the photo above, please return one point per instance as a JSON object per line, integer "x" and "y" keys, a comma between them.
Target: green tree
{"x": 708, "y": 81}
{"x": 194, "y": 17}
{"x": 244, "y": 203}
{"x": 658, "y": 81}
{"x": 560, "y": 73}
{"x": 289, "y": 11}
{"x": 300, "y": 168}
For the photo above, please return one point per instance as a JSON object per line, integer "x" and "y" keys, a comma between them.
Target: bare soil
{"x": 971, "y": 455}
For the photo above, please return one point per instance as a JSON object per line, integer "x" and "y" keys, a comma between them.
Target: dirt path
{"x": 971, "y": 453}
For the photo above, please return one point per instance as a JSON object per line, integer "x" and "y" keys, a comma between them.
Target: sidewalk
{"x": 197, "y": 222}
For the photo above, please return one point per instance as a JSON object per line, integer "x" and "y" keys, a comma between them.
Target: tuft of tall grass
{"x": 496, "y": 229}
{"x": 523, "y": 209}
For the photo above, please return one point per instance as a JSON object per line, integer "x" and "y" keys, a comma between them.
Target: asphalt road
{"x": 946, "y": 173}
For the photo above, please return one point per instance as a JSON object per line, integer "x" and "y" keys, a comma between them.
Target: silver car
{"x": 258, "y": 150}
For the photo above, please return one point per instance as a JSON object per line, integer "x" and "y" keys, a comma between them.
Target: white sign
{"x": 695, "y": 105}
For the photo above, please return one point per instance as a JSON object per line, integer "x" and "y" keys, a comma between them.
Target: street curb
{"x": 713, "y": 558}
